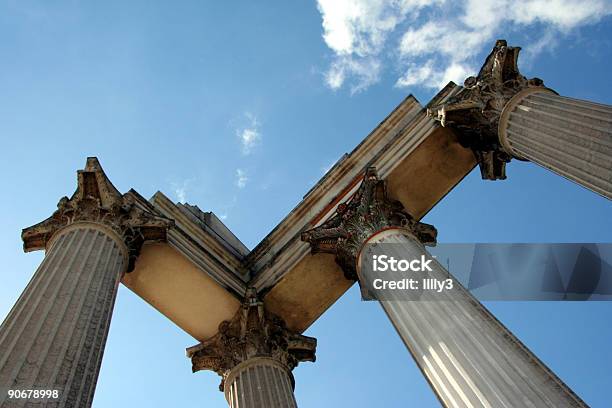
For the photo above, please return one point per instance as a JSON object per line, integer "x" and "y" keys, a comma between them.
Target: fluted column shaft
{"x": 571, "y": 137}
{"x": 469, "y": 358}
{"x": 54, "y": 336}
{"x": 260, "y": 382}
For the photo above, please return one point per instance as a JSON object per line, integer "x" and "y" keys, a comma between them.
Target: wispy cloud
{"x": 241, "y": 178}
{"x": 181, "y": 189}
{"x": 249, "y": 134}
{"x": 434, "y": 41}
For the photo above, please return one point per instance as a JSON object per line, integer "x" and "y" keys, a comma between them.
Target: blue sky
{"x": 240, "y": 108}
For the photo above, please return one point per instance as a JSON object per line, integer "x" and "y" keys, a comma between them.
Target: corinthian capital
{"x": 97, "y": 200}
{"x": 474, "y": 111}
{"x": 367, "y": 212}
{"x": 252, "y": 332}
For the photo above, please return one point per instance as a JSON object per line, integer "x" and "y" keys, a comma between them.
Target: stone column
{"x": 254, "y": 354}
{"x": 468, "y": 357}
{"x": 53, "y": 338}
{"x": 571, "y": 137}
{"x": 260, "y": 382}
{"x": 501, "y": 115}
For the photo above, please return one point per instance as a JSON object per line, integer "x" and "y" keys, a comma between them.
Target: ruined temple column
{"x": 260, "y": 382}
{"x": 571, "y": 137}
{"x": 254, "y": 354}
{"x": 501, "y": 115}
{"x": 468, "y": 357}
{"x": 54, "y": 337}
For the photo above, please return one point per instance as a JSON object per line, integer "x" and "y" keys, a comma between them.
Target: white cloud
{"x": 416, "y": 74}
{"x": 564, "y": 14}
{"x": 249, "y": 134}
{"x": 366, "y": 72}
{"x": 180, "y": 190}
{"x": 356, "y": 31}
{"x": 181, "y": 194}
{"x": 432, "y": 42}
{"x": 547, "y": 40}
{"x": 241, "y": 178}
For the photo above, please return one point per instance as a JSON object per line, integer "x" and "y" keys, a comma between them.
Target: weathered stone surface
{"x": 97, "y": 200}
{"x": 260, "y": 382}
{"x": 469, "y": 358}
{"x": 418, "y": 180}
{"x": 367, "y": 212}
{"x": 54, "y": 337}
{"x": 474, "y": 112}
{"x": 501, "y": 115}
{"x": 490, "y": 369}
{"x": 55, "y": 334}
{"x": 252, "y": 333}
{"x": 570, "y": 137}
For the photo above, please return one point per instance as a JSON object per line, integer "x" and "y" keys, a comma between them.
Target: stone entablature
{"x": 204, "y": 246}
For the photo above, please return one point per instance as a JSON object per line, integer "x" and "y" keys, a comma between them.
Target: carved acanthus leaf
{"x": 474, "y": 111}
{"x": 253, "y": 332}
{"x": 367, "y": 212}
{"x": 97, "y": 200}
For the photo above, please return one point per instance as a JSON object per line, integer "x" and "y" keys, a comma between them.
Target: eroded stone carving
{"x": 367, "y": 212}
{"x": 475, "y": 110}
{"x": 97, "y": 200}
{"x": 252, "y": 332}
